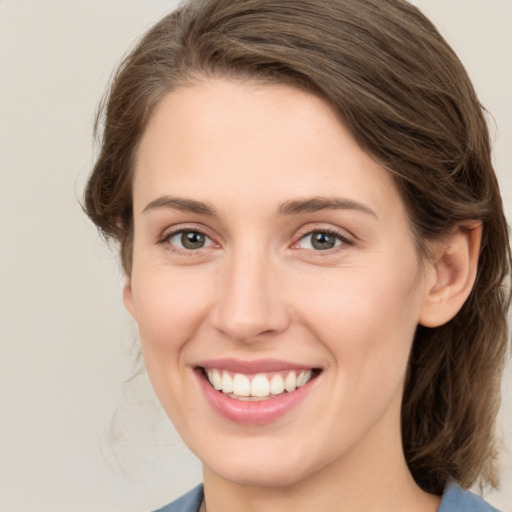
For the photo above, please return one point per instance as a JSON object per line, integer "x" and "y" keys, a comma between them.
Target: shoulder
{"x": 189, "y": 502}
{"x": 456, "y": 499}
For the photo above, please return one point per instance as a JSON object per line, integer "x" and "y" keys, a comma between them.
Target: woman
{"x": 315, "y": 252}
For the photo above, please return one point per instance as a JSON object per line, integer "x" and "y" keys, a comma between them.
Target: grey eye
{"x": 320, "y": 241}
{"x": 190, "y": 240}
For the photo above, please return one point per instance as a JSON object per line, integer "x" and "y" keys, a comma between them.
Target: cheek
{"x": 367, "y": 320}
{"x": 168, "y": 305}
{"x": 368, "y": 327}
{"x": 169, "y": 308}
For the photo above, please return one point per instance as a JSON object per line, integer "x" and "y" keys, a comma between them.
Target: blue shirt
{"x": 455, "y": 499}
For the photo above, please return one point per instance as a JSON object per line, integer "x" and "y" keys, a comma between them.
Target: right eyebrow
{"x": 316, "y": 204}
{"x": 182, "y": 204}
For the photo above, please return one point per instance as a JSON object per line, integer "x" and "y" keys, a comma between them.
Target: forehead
{"x": 250, "y": 140}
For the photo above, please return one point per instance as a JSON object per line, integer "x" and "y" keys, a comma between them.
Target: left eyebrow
{"x": 315, "y": 204}
{"x": 182, "y": 204}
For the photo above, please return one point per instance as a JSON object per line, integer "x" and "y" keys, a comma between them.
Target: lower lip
{"x": 252, "y": 412}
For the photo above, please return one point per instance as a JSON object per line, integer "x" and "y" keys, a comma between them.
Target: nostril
{"x": 248, "y": 309}
{"x": 246, "y": 332}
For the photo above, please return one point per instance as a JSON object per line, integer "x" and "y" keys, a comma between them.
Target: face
{"x": 276, "y": 284}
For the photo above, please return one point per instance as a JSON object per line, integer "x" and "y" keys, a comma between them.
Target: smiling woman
{"x": 315, "y": 252}
{"x": 270, "y": 283}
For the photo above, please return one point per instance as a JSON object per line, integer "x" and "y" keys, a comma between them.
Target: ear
{"x": 453, "y": 272}
{"x": 128, "y": 296}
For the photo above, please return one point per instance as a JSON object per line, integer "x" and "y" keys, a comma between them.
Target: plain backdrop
{"x": 80, "y": 430}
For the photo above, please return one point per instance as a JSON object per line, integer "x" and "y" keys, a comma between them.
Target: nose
{"x": 250, "y": 305}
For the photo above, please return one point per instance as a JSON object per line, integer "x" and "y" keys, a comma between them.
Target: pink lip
{"x": 252, "y": 412}
{"x": 251, "y": 367}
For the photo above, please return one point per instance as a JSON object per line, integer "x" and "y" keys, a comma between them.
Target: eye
{"x": 189, "y": 240}
{"x": 321, "y": 241}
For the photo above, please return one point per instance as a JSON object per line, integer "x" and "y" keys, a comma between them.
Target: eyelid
{"x": 347, "y": 240}
{"x": 172, "y": 231}
{"x": 208, "y": 242}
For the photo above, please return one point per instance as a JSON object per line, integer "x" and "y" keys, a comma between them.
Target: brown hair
{"x": 407, "y": 100}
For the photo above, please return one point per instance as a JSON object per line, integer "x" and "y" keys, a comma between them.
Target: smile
{"x": 255, "y": 392}
{"x": 256, "y": 387}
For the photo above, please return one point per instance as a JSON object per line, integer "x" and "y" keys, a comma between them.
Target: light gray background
{"x": 66, "y": 345}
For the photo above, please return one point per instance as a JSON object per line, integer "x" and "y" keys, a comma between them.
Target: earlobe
{"x": 454, "y": 267}
{"x": 128, "y": 296}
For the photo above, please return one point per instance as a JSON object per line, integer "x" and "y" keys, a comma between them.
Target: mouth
{"x": 256, "y": 387}
{"x": 255, "y": 393}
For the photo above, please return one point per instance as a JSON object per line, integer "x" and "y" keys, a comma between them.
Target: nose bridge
{"x": 249, "y": 304}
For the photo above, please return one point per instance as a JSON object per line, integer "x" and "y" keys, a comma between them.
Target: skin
{"x": 258, "y": 289}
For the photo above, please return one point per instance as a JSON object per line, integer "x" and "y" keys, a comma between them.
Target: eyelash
{"x": 166, "y": 238}
{"x": 345, "y": 242}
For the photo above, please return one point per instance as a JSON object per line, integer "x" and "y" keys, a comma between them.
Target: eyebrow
{"x": 316, "y": 204}
{"x": 182, "y": 204}
{"x": 292, "y": 207}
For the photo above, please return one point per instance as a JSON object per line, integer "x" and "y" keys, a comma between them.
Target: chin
{"x": 264, "y": 463}
{"x": 267, "y": 475}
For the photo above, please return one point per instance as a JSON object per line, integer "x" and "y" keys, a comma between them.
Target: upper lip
{"x": 250, "y": 367}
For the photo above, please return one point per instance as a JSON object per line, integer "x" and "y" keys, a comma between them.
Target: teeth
{"x": 290, "y": 382}
{"x": 276, "y": 384}
{"x": 227, "y": 383}
{"x": 215, "y": 379}
{"x": 261, "y": 386}
{"x": 304, "y": 378}
{"x": 241, "y": 385}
